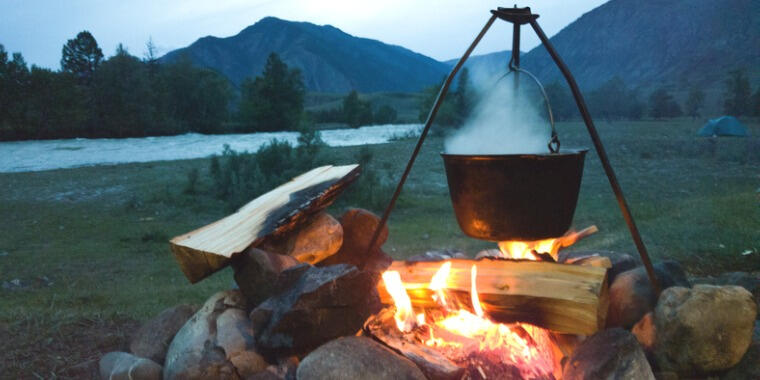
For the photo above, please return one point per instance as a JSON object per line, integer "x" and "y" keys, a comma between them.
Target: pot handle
{"x": 554, "y": 143}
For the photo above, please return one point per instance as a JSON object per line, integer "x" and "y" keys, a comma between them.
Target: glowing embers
{"x": 465, "y": 335}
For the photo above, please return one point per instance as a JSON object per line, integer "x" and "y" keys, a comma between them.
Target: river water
{"x": 37, "y": 155}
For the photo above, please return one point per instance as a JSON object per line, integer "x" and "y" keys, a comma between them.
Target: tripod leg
{"x": 602, "y": 156}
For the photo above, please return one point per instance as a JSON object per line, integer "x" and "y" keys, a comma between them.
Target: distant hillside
{"x": 649, "y": 43}
{"x": 491, "y": 61}
{"x": 330, "y": 60}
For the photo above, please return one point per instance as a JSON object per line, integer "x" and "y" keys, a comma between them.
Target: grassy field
{"x": 84, "y": 254}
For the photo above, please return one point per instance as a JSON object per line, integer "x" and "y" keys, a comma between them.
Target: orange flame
{"x": 404, "y": 316}
{"x": 513, "y": 249}
{"x": 438, "y": 284}
{"x": 524, "y": 249}
{"x": 474, "y": 292}
{"x": 525, "y": 346}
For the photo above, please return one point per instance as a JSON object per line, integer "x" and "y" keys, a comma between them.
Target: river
{"x": 37, "y": 155}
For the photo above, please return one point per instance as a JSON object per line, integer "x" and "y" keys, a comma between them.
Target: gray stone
{"x": 749, "y": 366}
{"x": 747, "y": 280}
{"x": 125, "y": 366}
{"x": 257, "y": 271}
{"x": 152, "y": 339}
{"x": 631, "y": 294}
{"x": 216, "y": 342}
{"x": 704, "y": 329}
{"x": 666, "y": 375}
{"x": 310, "y": 243}
{"x": 321, "y": 305}
{"x": 358, "y": 227}
{"x": 446, "y": 254}
{"x": 608, "y": 354}
{"x": 621, "y": 262}
{"x": 354, "y": 357}
{"x": 493, "y": 252}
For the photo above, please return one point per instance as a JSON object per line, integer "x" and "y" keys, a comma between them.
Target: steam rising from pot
{"x": 504, "y": 121}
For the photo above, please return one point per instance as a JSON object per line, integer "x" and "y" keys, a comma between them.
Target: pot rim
{"x": 562, "y": 153}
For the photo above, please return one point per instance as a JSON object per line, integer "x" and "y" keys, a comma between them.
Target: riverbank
{"x": 37, "y": 155}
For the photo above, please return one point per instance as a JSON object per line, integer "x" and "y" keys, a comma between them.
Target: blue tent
{"x": 724, "y": 126}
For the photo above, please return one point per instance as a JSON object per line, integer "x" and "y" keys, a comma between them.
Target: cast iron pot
{"x": 515, "y": 196}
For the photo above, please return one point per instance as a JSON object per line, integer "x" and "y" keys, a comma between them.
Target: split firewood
{"x": 210, "y": 248}
{"x": 563, "y": 298}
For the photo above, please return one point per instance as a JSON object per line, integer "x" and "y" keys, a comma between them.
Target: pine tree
{"x": 81, "y": 56}
{"x": 356, "y": 112}
{"x": 274, "y": 100}
{"x": 662, "y": 104}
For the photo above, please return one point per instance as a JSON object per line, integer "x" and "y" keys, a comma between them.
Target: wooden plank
{"x": 560, "y": 297}
{"x": 208, "y": 249}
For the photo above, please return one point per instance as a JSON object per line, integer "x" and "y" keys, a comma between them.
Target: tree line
{"x": 125, "y": 96}
{"x": 122, "y": 96}
{"x": 355, "y": 112}
{"x": 614, "y": 100}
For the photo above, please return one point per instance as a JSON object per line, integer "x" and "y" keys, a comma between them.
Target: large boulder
{"x": 707, "y": 328}
{"x": 125, "y": 366}
{"x": 315, "y": 306}
{"x": 216, "y": 342}
{"x": 747, "y": 280}
{"x": 353, "y": 357}
{"x": 631, "y": 294}
{"x": 608, "y": 354}
{"x": 257, "y": 271}
{"x": 749, "y": 366}
{"x": 358, "y": 227}
{"x": 152, "y": 339}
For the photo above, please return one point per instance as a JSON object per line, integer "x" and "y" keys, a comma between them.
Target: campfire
{"x": 312, "y": 302}
{"x": 444, "y": 329}
{"x": 464, "y": 335}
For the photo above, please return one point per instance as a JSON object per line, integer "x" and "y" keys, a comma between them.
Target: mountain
{"x": 656, "y": 42}
{"x": 485, "y": 65}
{"x": 329, "y": 59}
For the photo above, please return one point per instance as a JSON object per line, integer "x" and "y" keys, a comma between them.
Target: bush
{"x": 192, "y": 181}
{"x": 239, "y": 177}
{"x": 385, "y": 115}
{"x": 370, "y": 191}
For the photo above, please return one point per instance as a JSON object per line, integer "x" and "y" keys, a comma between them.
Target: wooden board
{"x": 560, "y": 297}
{"x": 209, "y": 248}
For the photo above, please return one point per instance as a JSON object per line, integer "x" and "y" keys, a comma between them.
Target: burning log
{"x": 563, "y": 298}
{"x": 208, "y": 249}
{"x": 432, "y": 363}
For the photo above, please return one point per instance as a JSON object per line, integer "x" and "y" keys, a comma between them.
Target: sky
{"x": 440, "y": 29}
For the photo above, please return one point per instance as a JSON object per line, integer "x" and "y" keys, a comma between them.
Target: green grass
{"x": 100, "y": 233}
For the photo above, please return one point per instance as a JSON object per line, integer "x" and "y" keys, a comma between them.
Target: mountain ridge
{"x": 676, "y": 43}
{"x": 329, "y": 59}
